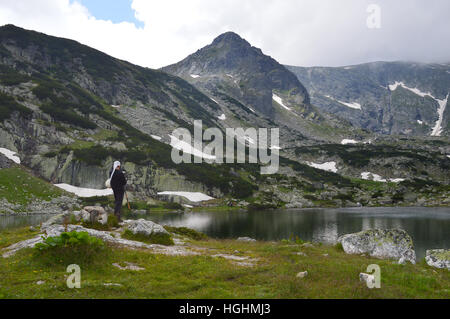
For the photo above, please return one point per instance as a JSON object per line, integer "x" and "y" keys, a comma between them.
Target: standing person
{"x": 118, "y": 183}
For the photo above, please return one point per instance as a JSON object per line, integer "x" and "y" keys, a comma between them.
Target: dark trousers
{"x": 118, "y": 200}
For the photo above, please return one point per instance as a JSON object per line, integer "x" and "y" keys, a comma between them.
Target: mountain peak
{"x": 230, "y": 38}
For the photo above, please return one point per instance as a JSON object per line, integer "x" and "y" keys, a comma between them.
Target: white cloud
{"x": 298, "y": 32}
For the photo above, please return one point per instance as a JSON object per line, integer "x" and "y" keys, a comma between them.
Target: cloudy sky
{"x": 155, "y": 33}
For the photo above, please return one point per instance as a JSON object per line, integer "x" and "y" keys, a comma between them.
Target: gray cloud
{"x": 297, "y": 32}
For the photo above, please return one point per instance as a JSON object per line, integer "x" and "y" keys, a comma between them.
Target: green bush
{"x": 158, "y": 239}
{"x": 187, "y": 232}
{"x": 70, "y": 248}
{"x": 8, "y": 106}
{"x": 10, "y": 77}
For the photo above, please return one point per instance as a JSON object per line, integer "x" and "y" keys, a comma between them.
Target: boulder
{"x": 369, "y": 280}
{"x": 94, "y": 214}
{"x": 246, "y": 239}
{"x": 302, "y": 274}
{"x": 380, "y": 243}
{"x": 438, "y": 258}
{"x": 144, "y": 227}
{"x": 57, "y": 220}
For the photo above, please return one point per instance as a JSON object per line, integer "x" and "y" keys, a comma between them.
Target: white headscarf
{"x": 116, "y": 164}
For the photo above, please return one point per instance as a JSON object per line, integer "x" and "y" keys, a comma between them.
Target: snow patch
{"x": 10, "y": 154}
{"x": 115, "y": 106}
{"x": 223, "y": 117}
{"x": 214, "y": 101}
{"x": 251, "y": 109}
{"x": 156, "y": 137}
{"x": 346, "y": 142}
{"x": 193, "y": 197}
{"x": 437, "y": 129}
{"x": 397, "y": 180}
{"x": 377, "y": 178}
{"x": 187, "y": 148}
{"x": 372, "y": 177}
{"x": 394, "y": 86}
{"x": 85, "y": 192}
{"x": 352, "y": 105}
{"x": 195, "y": 76}
{"x": 420, "y": 122}
{"x": 279, "y": 100}
{"x": 328, "y": 166}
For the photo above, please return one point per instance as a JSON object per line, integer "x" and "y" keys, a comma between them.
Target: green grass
{"x": 18, "y": 186}
{"x": 159, "y": 239}
{"x": 186, "y": 232}
{"x": 193, "y": 277}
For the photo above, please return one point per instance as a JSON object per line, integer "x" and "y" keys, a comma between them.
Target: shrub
{"x": 339, "y": 247}
{"x": 187, "y": 232}
{"x": 8, "y": 106}
{"x": 70, "y": 248}
{"x": 159, "y": 239}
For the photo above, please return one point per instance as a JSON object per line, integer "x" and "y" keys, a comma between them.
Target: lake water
{"x": 8, "y": 222}
{"x": 429, "y": 227}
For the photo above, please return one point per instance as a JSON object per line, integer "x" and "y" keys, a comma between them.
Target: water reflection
{"x": 8, "y": 222}
{"x": 429, "y": 227}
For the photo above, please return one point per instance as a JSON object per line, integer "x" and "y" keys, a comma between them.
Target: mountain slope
{"x": 69, "y": 111}
{"x": 74, "y": 103}
{"x": 255, "y": 90}
{"x": 384, "y": 97}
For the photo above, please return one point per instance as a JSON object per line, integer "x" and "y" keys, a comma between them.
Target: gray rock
{"x": 438, "y": 258}
{"x": 380, "y": 243}
{"x": 94, "y": 214}
{"x": 144, "y": 227}
{"x": 367, "y": 279}
{"x": 129, "y": 266}
{"x": 246, "y": 239}
{"x": 302, "y": 274}
{"x": 57, "y": 230}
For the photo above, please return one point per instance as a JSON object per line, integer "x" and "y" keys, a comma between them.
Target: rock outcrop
{"x": 94, "y": 214}
{"x": 144, "y": 227}
{"x": 57, "y": 230}
{"x": 380, "y": 243}
{"x": 438, "y": 258}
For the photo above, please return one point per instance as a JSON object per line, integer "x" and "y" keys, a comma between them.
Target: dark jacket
{"x": 118, "y": 181}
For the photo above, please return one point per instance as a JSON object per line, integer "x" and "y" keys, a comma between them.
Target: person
{"x": 118, "y": 182}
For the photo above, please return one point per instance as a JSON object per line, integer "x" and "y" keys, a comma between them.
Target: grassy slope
{"x": 19, "y": 186}
{"x": 333, "y": 276}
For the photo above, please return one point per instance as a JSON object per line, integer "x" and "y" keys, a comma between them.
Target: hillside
{"x": 396, "y": 98}
{"x": 253, "y": 89}
{"x": 69, "y": 111}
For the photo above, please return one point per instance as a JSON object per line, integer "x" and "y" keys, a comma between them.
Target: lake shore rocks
{"x": 380, "y": 243}
{"x": 38, "y": 207}
{"x": 438, "y": 258}
{"x": 144, "y": 227}
{"x": 106, "y": 236}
